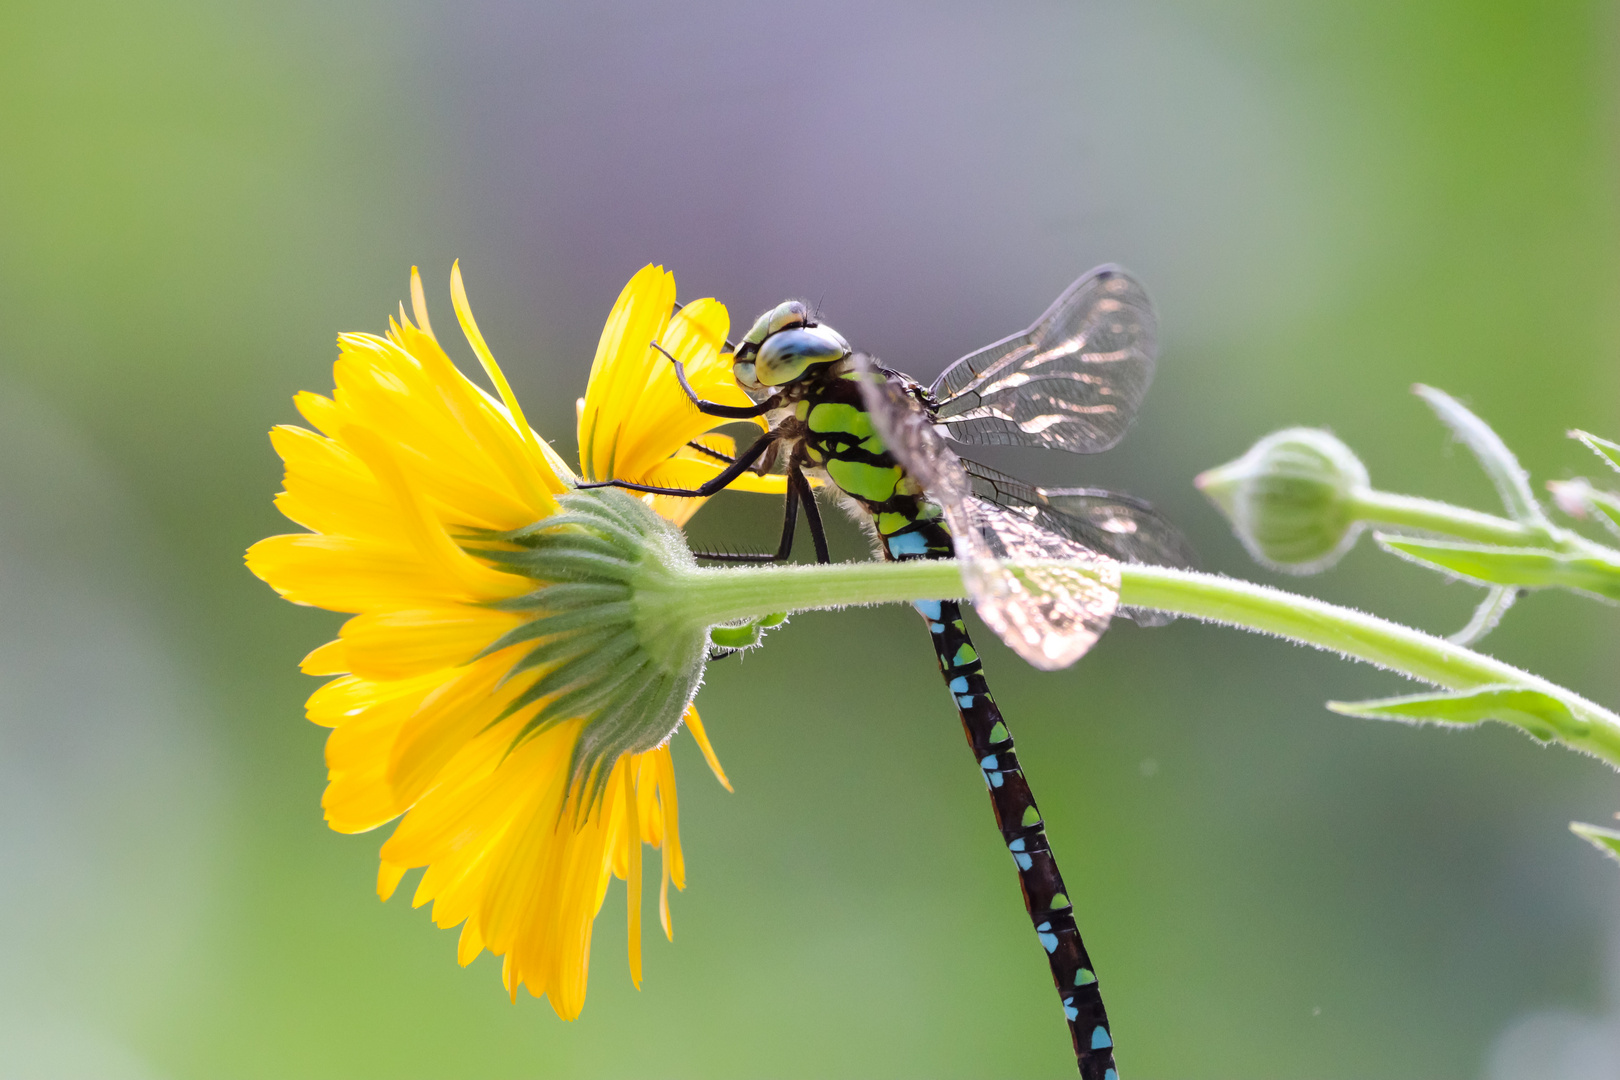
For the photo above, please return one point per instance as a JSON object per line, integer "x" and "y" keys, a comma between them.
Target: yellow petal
{"x": 702, "y": 737}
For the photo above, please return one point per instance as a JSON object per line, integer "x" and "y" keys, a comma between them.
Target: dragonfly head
{"x": 783, "y": 345}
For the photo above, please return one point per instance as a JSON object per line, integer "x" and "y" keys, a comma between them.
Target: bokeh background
{"x": 1329, "y": 202}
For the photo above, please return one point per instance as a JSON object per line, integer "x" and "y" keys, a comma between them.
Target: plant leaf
{"x": 1512, "y": 482}
{"x": 1541, "y": 714}
{"x": 1498, "y": 598}
{"x": 1605, "y": 840}
{"x": 1603, "y": 448}
{"x": 1528, "y": 568}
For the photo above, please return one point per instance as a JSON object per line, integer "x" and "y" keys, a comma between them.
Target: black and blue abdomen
{"x": 835, "y": 435}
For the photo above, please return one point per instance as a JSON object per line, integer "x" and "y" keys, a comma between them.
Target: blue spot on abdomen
{"x": 908, "y": 544}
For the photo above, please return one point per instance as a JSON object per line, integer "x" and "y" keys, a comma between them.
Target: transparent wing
{"x": 1121, "y": 526}
{"x": 1073, "y": 381}
{"x": 1111, "y": 522}
{"x": 1049, "y": 614}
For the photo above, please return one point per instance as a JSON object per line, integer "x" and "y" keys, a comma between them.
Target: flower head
{"x": 493, "y": 689}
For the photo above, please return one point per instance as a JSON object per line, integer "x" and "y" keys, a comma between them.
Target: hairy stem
{"x": 712, "y": 597}
{"x": 1429, "y": 515}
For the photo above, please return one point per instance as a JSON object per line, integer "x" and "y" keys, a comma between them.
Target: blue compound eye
{"x": 788, "y": 354}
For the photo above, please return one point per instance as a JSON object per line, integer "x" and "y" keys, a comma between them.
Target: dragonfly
{"x": 1040, "y": 564}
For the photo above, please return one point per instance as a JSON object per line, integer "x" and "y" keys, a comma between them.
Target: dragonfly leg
{"x": 812, "y": 513}
{"x": 790, "y": 519}
{"x": 714, "y": 408}
{"x": 704, "y": 490}
{"x": 706, "y": 452}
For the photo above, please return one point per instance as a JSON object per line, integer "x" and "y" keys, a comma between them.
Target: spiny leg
{"x": 715, "y": 408}
{"x": 790, "y": 518}
{"x": 799, "y": 492}
{"x": 709, "y": 487}
{"x": 707, "y": 452}
{"x": 1045, "y": 896}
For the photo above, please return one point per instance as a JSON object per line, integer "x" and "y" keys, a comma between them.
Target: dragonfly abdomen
{"x": 1024, "y": 833}
{"x": 834, "y": 434}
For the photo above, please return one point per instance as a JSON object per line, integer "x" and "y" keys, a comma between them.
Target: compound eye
{"x": 787, "y": 316}
{"x": 787, "y": 355}
{"x": 784, "y": 316}
{"x": 743, "y": 372}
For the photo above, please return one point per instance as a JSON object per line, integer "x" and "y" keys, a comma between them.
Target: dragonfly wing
{"x": 1049, "y": 614}
{"x": 903, "y": 423}
{"x": 1111, "y": 522}
{"x": 1073, "y": 381}
{"x": 1134, "y": 531}
{"x": 1121, "y": 526}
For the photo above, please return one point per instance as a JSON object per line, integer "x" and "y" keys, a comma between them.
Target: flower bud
{"x": 1291, "y": 499}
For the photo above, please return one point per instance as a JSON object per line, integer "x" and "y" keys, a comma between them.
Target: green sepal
{"x": 564, "y": 595}
{"x": 1605, "y": 840}
{"x": 1603, "y": 448}
{"x": 557, "y": 649}
{"x": 1526, "y": 568}
{"x": 571, "y": 564}
{"x": 1541, "y": 714}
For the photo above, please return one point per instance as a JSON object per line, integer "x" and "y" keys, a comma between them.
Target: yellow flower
{"x": 635, "y": 422}
{"x": 452, "y": 708}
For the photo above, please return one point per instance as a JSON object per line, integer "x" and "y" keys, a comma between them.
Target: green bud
{"x": 1291, "y": 499}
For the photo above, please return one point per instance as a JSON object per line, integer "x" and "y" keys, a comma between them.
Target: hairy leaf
{"x": 1605, "y": 840}
{"x": 1529, "y": 568}
{"x": 1498, "y": 598}
{"x": 1541, "y": 714}
{"x": 1512, "y": 482}
{"x": 1603, "y": 448}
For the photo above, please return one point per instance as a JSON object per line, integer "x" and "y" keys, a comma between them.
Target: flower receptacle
{"x": 608, "y": 649}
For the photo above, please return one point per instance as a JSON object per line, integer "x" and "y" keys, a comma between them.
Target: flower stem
{"x": 719, "y": 596}
{"x": 1430, "y": 515}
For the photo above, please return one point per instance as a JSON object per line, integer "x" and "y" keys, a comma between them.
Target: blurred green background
{"x": 1328, "y": 202}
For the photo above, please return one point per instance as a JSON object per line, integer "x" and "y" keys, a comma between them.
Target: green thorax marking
{"x": 825, "y": 423}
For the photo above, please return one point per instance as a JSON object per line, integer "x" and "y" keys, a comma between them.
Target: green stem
{"x": 1409, "y": 511}
{"x": 716, "y": 596}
